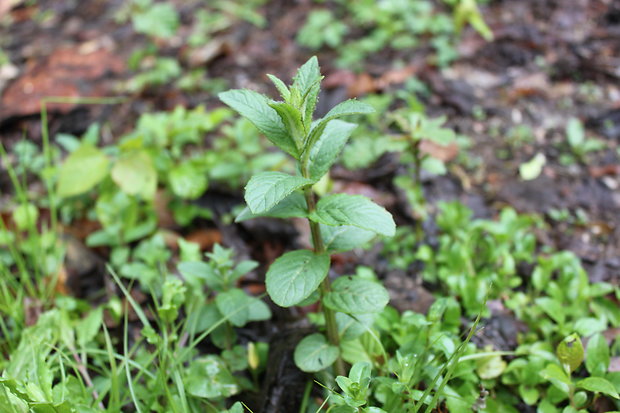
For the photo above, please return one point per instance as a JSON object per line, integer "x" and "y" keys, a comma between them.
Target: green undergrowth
{"x": 169, "y": 332}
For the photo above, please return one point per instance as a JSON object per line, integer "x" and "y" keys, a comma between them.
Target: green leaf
{"x": 351, "y": 328}
{"x": 345, "y": 238}
{"x": 354, "y": 295}
{"x": 284, "y": 92}
{"x": 255, "y": 107}
{"x": 557, "y": 376}
{"x": 240, "y": 308}
{"x": 158, "y": 20}
{"x": 82, "y": 170}
{"x": 197, "y": 272}
{"x": 208, "y": 377}
{"x": 490, "y": 367}
{"x": 88, "y": 328}
{"x": 588, "y": 326}
{"x": 25, "y": 216}
{"x": 355, "y": 210}
{"x": 314, "y": 353}
{"x": 188, "y": 181}
{"x": 291, "y": 118}
{"x": 309, "y": 104}
{"x": 552, "y": 308}
{"x": 135, "y": 174}
{"x": 234, "y": 306}
{"x": 597, "y": 355}
{"x": 598, "y": 385}
{"x": 530, "y": 395}
{"x": 295, "y": 275}
{"x": 292, "y": 206}
{"x": 235, "y": 408}
{"x": 307, "y": 75}
{"x": 326, "y": 149}
{"x": 348, "y": 107}
{"x": 570, "y": 352}
{"x": 532, "y": 169}
{"x": 266, "y": 189}
{"x": 575, "y": 133}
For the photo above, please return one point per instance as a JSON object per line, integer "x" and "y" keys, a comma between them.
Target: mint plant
{"x": 337, "y": 222}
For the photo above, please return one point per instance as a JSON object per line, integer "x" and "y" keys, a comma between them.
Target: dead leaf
{"x": 61, "y": 286}
{"x": 363, "y": 84}
{"x": 205, "y": 237}
{"x": 444, "y": 153}
{"x": 599, "y": 171}
{"x": 33, "y": 309}
{"x": 66, "y": 72}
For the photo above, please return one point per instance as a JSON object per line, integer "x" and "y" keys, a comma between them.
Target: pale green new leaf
{"x": 291, "y": 118}
{"x": 575, "y": 132}
{"x": 135, "y": 174}
{"x": 82, "y": 170}
{"x": 345, "y": 238}
{"x": 266, "y": 189}
{"x": 255, "y": 107}
{"x": 293, "y": 206}
{"x": 354, "y": 295}
{"x": 326, "y": 149}
{"x": 295, "y": 275}
{"x": 282, "y": 88}
{"x": 355, "y": 210}
{"x": 309, "y": 104}
{"x": 307, "y": 75}
{"x": 314, "y": 353}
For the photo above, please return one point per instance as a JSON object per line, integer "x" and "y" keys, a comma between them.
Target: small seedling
{"x": 580, "y": 145}
{"x": 337, "y": 222}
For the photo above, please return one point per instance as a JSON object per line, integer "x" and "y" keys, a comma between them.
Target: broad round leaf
{"x": 208, "y": 377}
{"x": 570, "y": 352}
{"x": 187, "y": 181}
{"x": 234, "y": 305}
{"x": 82, "y": 170}
{"x": 295, "y": 275}
{"x": 135, "y": 174}
{"x": 354, "y": 295}
{"x": 314, "y": 353}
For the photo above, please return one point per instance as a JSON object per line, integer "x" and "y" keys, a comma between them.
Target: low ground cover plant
{"x": 173, "y": 338}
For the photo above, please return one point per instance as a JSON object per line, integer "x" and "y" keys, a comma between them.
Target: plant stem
{"x": 330, "y": 315}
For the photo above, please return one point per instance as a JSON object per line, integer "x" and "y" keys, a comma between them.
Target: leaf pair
{"x": 288, "y": 124}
